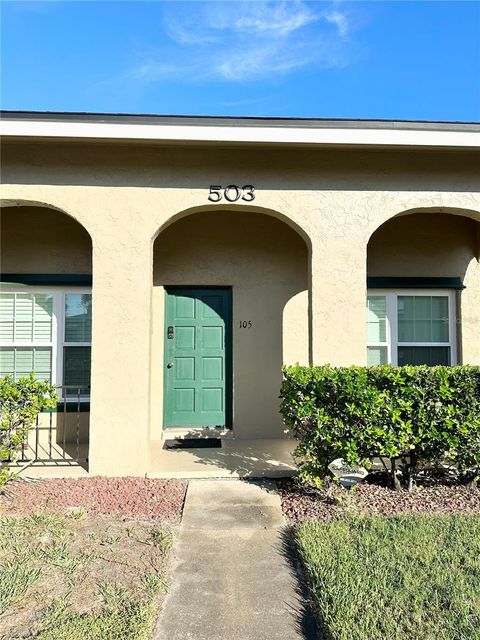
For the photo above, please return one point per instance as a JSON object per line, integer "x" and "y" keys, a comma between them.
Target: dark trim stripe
{"x": 414, "y": 283}
{"x": 71, "y": 407}
{"x": 373, "y": 282}
{"x": 74, "y": 279}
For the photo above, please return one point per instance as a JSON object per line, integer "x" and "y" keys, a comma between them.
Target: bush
{"x": 406, "y": 415}
{"x": 20, "y": 404}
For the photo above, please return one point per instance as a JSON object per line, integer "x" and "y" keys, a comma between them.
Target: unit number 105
{"x": 232, "y": 193}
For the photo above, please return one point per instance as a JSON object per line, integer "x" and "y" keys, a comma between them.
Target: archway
{"x": 262, "y": 263}
{"x": 424, "y": 288}
{"x": 46, "y": 316}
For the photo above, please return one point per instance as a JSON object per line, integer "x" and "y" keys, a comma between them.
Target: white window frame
{"x": 57, "y": 342}
{"x": 392, "y": 343}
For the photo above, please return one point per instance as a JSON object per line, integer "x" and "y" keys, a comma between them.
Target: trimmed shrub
{"x": 404, "y": 415}
{"x": 20, "y": 404}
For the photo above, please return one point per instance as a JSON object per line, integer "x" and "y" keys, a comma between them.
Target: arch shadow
{"x": 209, "y": 208}
{"x": 474, "y": 214}
{"x": 40, "y": 204}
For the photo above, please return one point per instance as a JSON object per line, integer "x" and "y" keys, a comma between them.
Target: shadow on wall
{"x": 280, "y": 169}
{"x": 266, "y": 264}
{"x": 423, "y": 245}
{"x": 42, "y": 240}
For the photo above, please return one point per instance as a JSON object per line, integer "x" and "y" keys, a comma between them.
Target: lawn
{"x": 81, "y": 576}
{"x": 399, "y": 578}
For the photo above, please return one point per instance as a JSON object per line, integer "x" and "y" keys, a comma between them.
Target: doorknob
{"x": 169, "y": 365}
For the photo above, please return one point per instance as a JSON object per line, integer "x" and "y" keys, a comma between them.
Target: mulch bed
{"x": 301, "y": 503}
{"x": 129, "y": 497}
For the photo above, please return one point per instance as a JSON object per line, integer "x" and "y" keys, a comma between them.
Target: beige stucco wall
{"x": 126, "y": 195}
{"x": 266, "y": 264}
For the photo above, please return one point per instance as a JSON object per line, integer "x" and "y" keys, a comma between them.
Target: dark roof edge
{"x": 246, "y": 121}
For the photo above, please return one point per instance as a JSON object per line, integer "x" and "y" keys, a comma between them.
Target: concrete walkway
{"x": 232, "y": 579}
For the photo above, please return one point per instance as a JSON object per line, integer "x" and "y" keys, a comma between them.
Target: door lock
{"x": 169, "y": 365}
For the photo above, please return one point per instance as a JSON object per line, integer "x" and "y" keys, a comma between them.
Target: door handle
{"x": 169, "y": 365}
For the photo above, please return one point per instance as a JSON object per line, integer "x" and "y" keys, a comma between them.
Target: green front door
{"x": 197, "y": 357}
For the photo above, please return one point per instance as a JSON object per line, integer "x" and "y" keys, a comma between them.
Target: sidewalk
{"x": 231, "y": 578}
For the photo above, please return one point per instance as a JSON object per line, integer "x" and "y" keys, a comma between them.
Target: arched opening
{"x": 424, "y": 289}
{"x": 248, "y": 273}
{"x": 46, "y": 318}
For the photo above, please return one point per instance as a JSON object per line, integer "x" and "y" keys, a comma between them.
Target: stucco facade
{"x": 136, "y": 215}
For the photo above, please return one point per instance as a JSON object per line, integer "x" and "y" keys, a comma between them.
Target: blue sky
{"x": 410, "y": 60}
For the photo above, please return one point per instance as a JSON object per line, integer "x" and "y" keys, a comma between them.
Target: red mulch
{"x": 306, "y": 503}
{"x": 130, "y": 497}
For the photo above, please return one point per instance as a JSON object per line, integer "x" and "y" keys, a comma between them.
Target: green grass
{"x": 15, "y": 580}
{"x": 402, "y": 578}
{"x": 76, "y": 577}
{"x": 19, "y": 554}
{"x": 128, "y": 619}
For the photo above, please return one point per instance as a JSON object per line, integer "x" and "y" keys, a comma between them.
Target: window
{"x": 47, "y": 332}
{"x": 77, "y": 337}
{"x": 26, "y": 334}
{"x": 411, "y": 327}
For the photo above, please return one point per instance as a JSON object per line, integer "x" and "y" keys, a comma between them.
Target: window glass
{"x": 420, "y": 328}
{"x": 21, "y": 361}
{"x": 76, "y": 368}
{"x": 7, "y": 315}
{"x": 78, "y": 317}
{"x": 28, "y": 344}
{"x": 440, "y": 320}
{"x": 423, "y": 319}
{"x": 26, "y": 317}
{"x": 23, "y": 317}
{"x": 424, "y": 355}
{"x": 43, "y": 312}
{"x": 377, "y": 355}
{"x": 7, "y": 361}
{"x": 26, "y": 321}
{"x": 377, "y": 318}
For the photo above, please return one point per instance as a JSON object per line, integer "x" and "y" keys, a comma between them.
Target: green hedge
{"x": 406, "y": 415}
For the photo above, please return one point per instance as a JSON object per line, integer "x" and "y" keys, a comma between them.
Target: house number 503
{"x": 231, "y": 193}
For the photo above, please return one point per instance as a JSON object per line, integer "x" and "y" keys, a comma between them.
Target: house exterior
{"x": 162, "y": 269}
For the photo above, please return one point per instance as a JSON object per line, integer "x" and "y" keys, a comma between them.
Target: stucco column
{"x": 120, "y": 384}
{"x": 337, "y": 301}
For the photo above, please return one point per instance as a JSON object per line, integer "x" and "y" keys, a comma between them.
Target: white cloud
{"x": 242, "y": 40}
{"x": 276, "y": 19}
{"x": 338, "y": 19}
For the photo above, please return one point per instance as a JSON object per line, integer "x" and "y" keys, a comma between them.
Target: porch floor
{"x": 270, "y": 458}
{"x": 54, "y": 461}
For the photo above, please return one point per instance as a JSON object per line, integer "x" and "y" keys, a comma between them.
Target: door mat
{"x": 193, "y": 443}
